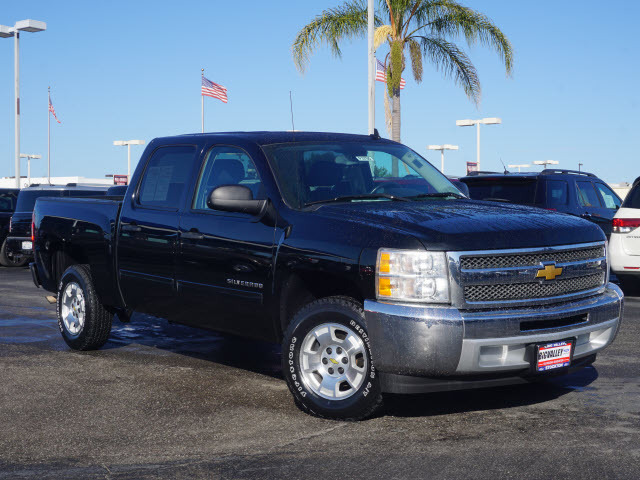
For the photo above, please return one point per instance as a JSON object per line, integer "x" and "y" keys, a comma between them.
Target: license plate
{"x": 554, "y": 355}
{"x": 27, "y": 245}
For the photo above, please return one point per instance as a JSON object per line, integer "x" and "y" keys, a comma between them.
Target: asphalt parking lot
{"x": 167, "y": 401}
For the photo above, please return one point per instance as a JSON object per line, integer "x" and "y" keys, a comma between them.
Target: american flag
{"x": 210, "y": 89}
{"x": 381, "y": 74}
{"x": 53, "y": 111}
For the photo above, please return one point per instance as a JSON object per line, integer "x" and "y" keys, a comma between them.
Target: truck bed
{"x": 78, "y": 230}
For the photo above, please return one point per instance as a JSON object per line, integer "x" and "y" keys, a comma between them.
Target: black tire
{"x": 336, "y": 310}
{"x": 97, "y": 319}
{"x": 7, "y": 261}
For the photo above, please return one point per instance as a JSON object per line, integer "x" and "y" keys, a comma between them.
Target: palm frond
{"x": 454, "y": 63}
{"x": 381, "y": 35}
{"x": 447, "y": 18}
{"x": 333, "y": 25}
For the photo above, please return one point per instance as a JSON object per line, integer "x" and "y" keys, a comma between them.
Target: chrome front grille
{"x": 516, "y": 291}
{"x": 490, "y": 278}
{"x": 530, "y": 259}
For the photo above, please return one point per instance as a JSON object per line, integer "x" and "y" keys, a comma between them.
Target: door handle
{"x": 132, "y": 227}
{"x": 192, "y": 235}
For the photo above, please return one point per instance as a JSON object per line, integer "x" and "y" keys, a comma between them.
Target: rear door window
{"x": 557, "y": 193}
{"x": 587, "y": 196}
{"x": 609, "y": 199}
{"x": 166, "y": 176}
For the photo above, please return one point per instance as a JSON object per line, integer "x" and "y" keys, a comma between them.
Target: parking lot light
{"x": 477, "y": 123}
{"x": 29, "y": 157}
{"x": 128, "y": 143}
{"x": 519, "y": 166}
{"x": 6, "y": 32}
{"x": 442, "y": 148}
{"x": 545, "y": 163}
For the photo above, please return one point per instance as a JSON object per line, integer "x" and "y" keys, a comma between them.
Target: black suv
{"x": 568, "y": 191}
{"x": 8, "y": 199}
{"x": 17, "y": 246}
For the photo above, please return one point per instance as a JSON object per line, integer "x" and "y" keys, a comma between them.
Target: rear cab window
{"x": 27, "y": 199}
{"x": 8, "y": 201}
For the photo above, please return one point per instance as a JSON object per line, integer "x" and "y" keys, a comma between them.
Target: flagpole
{"x": 49, "y": 139}
{"x": 202, "y": 100}
{"x": 372, "y": 73}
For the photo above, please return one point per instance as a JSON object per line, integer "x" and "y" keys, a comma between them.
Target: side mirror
{"x": 235, "y": 198}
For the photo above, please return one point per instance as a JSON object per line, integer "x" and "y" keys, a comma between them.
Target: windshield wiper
{"x": 364, "y": 196}
{"x": 437, "y": 195}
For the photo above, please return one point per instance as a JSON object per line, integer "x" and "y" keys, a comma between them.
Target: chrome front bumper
{"x": 433, "y": 341}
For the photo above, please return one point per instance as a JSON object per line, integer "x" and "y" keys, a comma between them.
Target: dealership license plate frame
{"x": 558, "y": 366}
{"x": 27, "y": 245}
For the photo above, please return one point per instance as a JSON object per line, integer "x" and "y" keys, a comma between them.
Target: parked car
{"x": 8, "y": 197}
{"x": 370, "y": 286}
{"x": 18, "y": 245}
{"x": 567, "y": 191}
{"x": 624, "y": 243}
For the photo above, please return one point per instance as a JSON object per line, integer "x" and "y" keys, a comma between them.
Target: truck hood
{"x": 457, "y": 225}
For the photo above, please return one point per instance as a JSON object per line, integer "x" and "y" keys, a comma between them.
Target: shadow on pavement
{"x": 443, "y": 403}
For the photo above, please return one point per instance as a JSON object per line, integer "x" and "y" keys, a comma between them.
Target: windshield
{"x": 8, "y": 201}
{"x": 315, "y": 172}
{"x": 516, "y": 190}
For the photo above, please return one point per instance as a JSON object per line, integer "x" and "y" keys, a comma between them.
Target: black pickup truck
{"x": 8, "y": 198}
{"x": 372, "y": 269}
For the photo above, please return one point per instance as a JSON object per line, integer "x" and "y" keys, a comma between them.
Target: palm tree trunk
{"x": 395, "y": 130}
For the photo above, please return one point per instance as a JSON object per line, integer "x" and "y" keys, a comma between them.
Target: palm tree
{"x": 418, "y": 29}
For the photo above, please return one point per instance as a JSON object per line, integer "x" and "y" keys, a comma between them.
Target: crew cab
{"x": 8, "y": 197}
{"x": 18, "y": 243}
{"x": 374, "y": 272}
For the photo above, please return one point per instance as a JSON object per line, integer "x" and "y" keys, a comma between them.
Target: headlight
{"x": 412, "y": 276}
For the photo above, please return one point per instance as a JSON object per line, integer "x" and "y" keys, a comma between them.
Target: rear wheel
{"x": 630, "y": 284}
{"x": 327, "y": 361}
{"x": 84, "y": 322}
{"x": 7, "y": 261}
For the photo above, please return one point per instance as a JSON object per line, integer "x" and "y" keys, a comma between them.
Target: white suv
{"x": 624, "y": 244}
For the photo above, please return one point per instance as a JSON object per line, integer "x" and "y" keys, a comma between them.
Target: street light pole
{"x": 477, "y": 123}
{"x": 5, "y": 32}
{"x": 128, "y": 143}
{"x": 442, "y": 148}
{"x": 372, "y": 73}
{"x": 16, "y": 69}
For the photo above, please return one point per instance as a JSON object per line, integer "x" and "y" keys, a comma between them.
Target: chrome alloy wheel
{"x": 72, "y": 309}
{"x": 333, "y": 361}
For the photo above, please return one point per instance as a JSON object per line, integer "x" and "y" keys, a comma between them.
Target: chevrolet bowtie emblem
{"x": 549, "y": 272}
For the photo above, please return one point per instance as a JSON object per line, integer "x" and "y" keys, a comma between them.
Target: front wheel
{"x": 327, "y": 361}
{"x": 84, "y": 322}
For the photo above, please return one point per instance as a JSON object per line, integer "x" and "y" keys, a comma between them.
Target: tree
{"x": 417, "y": 29}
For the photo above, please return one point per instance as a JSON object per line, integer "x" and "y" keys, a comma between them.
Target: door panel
{"x": 148, "y": 235}
{"x": 589, "y": 201}
{"x": 225, "y": 261}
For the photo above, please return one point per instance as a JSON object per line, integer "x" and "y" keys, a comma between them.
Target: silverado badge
{"x": 549, "y": 272}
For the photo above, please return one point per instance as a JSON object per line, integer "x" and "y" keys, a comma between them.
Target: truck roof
{"x": 267, "y": 137}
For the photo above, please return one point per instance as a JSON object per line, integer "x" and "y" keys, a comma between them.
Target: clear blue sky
{"x": 131, "y": 69}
